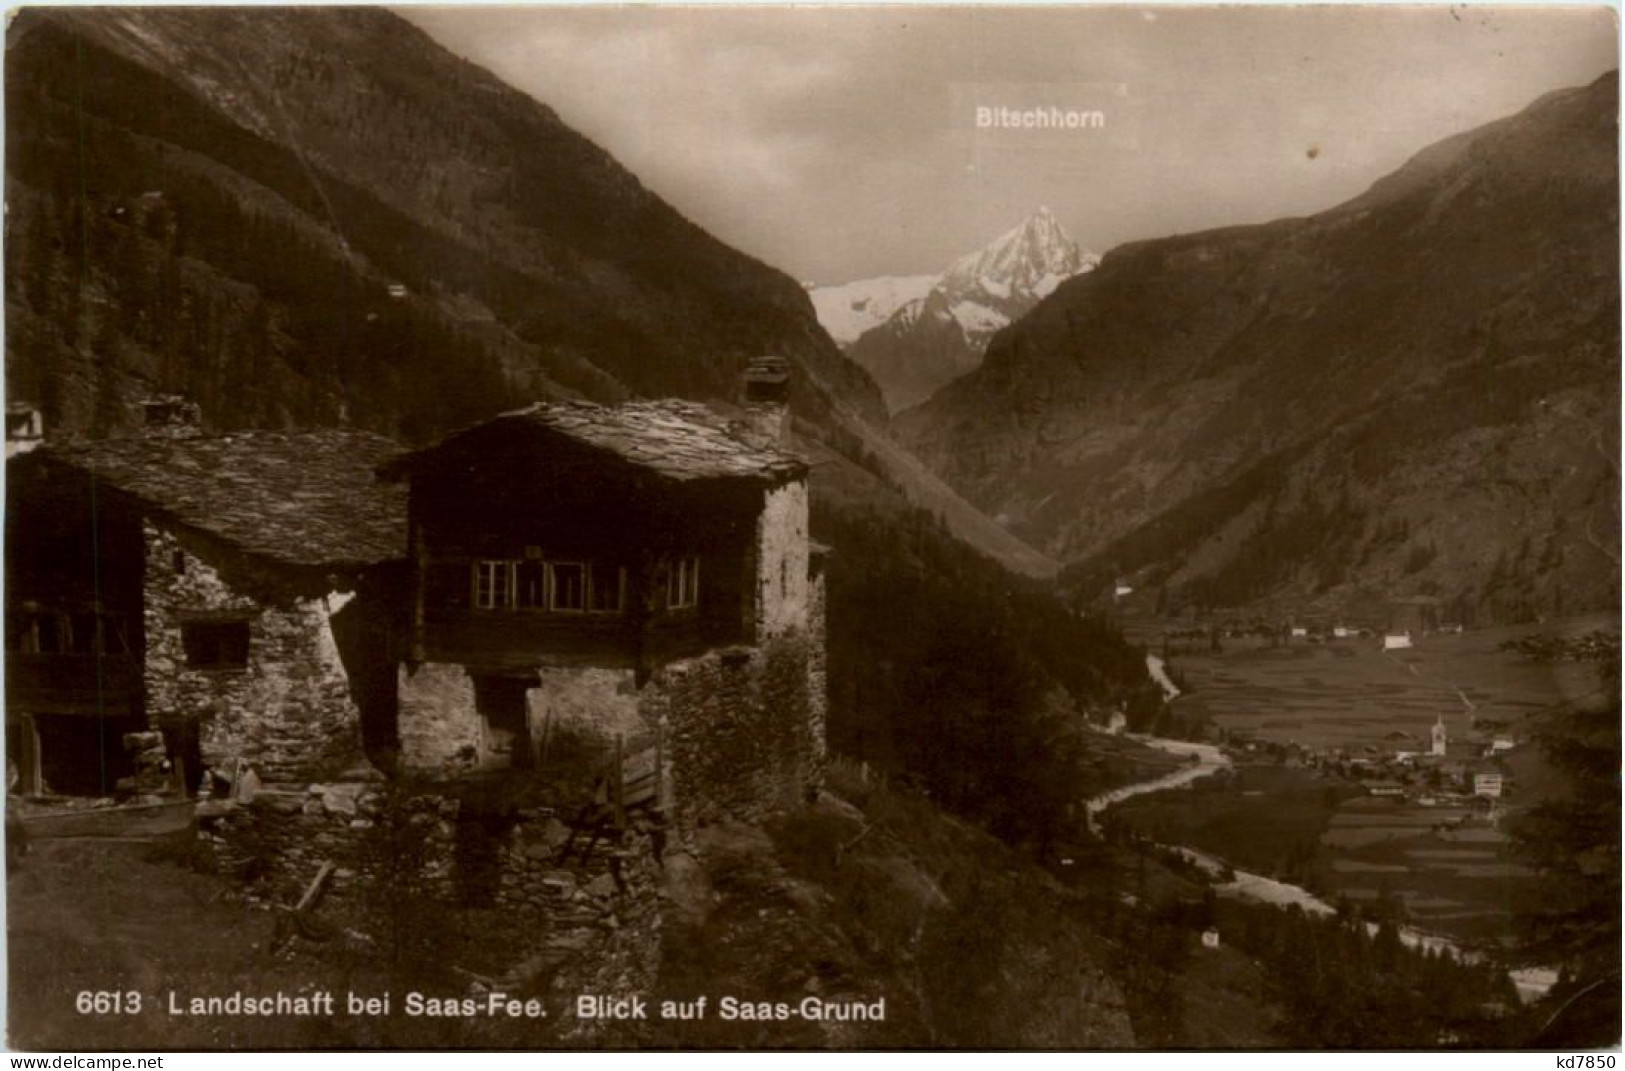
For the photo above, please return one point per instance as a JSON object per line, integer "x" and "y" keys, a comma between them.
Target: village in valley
{"x": 1381, "y": 766}
{"x": 1424, "y": 767}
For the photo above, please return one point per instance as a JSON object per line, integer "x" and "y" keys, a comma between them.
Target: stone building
{"x": 231, "y": 591}
{"x": 631, "y": 582}
{"x": 508, "y": 675}
{"x": 625, "y": 594}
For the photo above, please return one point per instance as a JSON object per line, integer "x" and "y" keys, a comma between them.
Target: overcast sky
{"x": 837, "y": 143}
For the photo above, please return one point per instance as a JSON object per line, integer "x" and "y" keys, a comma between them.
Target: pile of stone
{"x": 588, "y": 914}
{"x": 285, "y": 832}
{"x": 153, "y": 771}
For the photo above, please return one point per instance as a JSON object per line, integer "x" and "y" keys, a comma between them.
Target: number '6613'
{"x": 107, "y": 1002}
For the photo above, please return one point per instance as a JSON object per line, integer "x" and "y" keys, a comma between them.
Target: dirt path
{"x": 111, "y": 916}
{"x": 1159, "y": 673}
{"x": 1468, "y": 704}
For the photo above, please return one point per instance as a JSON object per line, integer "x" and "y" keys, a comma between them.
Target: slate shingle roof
{"x": 680, "y": 440}
{"x": 308, "y": 498}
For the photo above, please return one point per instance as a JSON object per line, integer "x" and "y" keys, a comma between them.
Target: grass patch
{"x": 1263, "y": 818}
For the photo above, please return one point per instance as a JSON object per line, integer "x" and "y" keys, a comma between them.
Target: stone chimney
{"x": 170, "y": 416}
{"x": 767, "y": 399}
{"x": 25, "y": 428}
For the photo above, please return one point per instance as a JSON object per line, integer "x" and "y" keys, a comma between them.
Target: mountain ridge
{"x": 524, "y": 229}
{"x": 330, "y": 206}
{"x": 1464, "y": 298}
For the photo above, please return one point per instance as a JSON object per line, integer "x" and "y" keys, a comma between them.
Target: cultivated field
{"x": 1351, "y": 694}
{"x": 1451, "y": 868}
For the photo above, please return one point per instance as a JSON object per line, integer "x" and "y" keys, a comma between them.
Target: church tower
{"x": 1441, "y": 737}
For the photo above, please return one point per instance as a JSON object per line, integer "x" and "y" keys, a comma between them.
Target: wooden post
{"x": 420, "y": 581}
{"x": 314, "y": 889}
{"x": 547, "y": 730}
{"x": 619, "y": 784}
{"x": 660, "y": 769}
{"x": 30, "y": 780}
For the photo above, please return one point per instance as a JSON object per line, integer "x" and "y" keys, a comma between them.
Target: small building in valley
{"x": 1396, "y": 641}
{"x": 1441, "y": 738}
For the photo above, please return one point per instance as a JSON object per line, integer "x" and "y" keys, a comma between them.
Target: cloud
{"x": 689, "y": 106}
{"x": 832, "y": 140}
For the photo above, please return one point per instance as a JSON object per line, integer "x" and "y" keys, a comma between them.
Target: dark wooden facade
{"x": 517, "y": 504}
{"x": 74, "y": 629}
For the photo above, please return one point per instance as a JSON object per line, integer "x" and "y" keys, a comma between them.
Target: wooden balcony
{"x": 80, "y": 684}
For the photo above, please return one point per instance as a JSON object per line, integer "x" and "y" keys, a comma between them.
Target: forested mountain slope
{"x": 1415, "y": 393}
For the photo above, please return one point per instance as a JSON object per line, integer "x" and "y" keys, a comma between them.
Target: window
{"x": 607, "y": 592}
{"x": 215, "y": 644}
{"x": 37, "y": 632}
{"x": 493, "y": 585}
{"x": 20, "y": 424}
{"x": 562, "y": 587}
{"x": 160, "y": 414}
{"x": 82, "y": 634}
{"x": 532, "y": 584}
{"x": 114, "y": 640}
{"x": 33, "y": 632}
{"x": 683, "y": 584}
{"x": 567, "y": 586}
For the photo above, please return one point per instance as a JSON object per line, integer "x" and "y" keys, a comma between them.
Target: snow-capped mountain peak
{"x": 1032, "y": 258}
{"x": 914, "y": 333}
{"x": 848, "y": 310}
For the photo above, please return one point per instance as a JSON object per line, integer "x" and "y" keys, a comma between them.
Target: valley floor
{"x": 1304, "y": 720}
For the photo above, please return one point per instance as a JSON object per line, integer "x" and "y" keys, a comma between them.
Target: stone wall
{"x": 588, "y": 700}
{"x": 817, "y": 673}
{"x": 288, "y": 713}
{"x": 279, "y": 837}
{"x": 584, "y": 915}
{"x": 743, "y": 731}
{"x": 442, "y": 733}
{"x": 438, "y": 726}
{"x": 743, "y": 727}
{"x": 782, "y": 577}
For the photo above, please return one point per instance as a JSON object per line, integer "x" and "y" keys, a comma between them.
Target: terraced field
{"x": 1451, "y": 867}
{"x": 1350, "y": 694}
